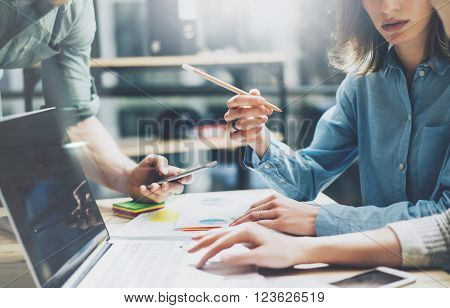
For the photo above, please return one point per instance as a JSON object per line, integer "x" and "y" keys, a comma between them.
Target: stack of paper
{"x": 132, "y": 209}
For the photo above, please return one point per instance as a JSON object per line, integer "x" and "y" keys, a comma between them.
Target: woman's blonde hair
{"x": 359, "y": 47}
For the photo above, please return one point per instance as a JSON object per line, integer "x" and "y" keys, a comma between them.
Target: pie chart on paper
{"x": 212, "y": 222}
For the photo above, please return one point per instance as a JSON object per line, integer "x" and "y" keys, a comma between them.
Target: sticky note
{"x": 164, "y": 216}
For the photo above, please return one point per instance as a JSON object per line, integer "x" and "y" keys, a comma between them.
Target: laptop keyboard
{"x": 132, "y": 265}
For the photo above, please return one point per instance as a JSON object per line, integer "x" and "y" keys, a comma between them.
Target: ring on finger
{"x": 233, "y": 125}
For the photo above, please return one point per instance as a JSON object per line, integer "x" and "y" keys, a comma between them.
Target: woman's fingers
{"x": 250, "y": 112}
{"x": 255, "y": 92}
{"x": 207, "y": 239}
{"x": 224, "y": 242}
{"x": 239, "y": 101}
{"x": 271, "y": 224}
{"x": 246, "y": 135}
{"x": 263, "y": 207}
{"x": 263, "y": 201}
{"x": 256, "y": 216}
{"x": 249, "y": 257}
{"x": 246, "y": 124}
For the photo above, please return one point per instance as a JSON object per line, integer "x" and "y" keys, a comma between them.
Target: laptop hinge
{"x": 99, "y": 254}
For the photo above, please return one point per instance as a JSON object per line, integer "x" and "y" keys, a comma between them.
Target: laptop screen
{"x": 47, "y": 196}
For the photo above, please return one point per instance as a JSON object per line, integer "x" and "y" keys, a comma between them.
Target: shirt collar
{"x": 439, "y": 64}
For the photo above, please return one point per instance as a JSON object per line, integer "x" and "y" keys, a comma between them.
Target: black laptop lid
{"x": 47, "y": 196}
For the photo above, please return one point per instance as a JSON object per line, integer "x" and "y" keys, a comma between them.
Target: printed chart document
{"x": 199, "y": 210}
{"x": 196, "y": 212}
{"x": 204, "y": 211}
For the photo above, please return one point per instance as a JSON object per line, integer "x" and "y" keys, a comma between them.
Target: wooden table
{"x": 12, "y": 264}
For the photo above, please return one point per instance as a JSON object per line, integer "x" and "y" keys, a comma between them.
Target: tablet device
{"x": 380, "y": 277}
{"x": 188, "y": 172}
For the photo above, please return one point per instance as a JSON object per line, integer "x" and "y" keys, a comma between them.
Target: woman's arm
{"x": 335, "y": 219}
{"x": 424, "y": 242}
{"x": 277, "y": 250}
{"x": 302, "y": 174}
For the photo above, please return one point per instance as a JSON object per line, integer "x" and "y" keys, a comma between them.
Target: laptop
{"x": 59, "y": 225}
{"x": 65, "y": 240}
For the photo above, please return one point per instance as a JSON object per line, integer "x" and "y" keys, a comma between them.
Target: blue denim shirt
{"x": 401, "y": 139}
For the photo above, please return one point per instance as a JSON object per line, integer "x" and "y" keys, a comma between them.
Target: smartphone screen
{"x": 370, "y": 279}
{"x": 188, "y": 172}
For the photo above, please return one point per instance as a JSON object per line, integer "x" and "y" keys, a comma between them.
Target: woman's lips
{"x": 394, "y": 26}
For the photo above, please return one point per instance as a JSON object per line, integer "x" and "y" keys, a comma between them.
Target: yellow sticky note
{"x": 164, "y": 216}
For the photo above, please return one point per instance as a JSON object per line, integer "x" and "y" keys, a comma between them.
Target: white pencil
{"x": 223, "y": 84}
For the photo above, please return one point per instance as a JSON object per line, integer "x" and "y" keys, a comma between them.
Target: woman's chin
{"x": 398, "y": 40}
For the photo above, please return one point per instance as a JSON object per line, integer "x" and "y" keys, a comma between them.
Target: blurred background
{"x": 279, "y": 47}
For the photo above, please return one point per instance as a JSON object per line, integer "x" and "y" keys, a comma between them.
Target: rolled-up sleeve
{"x": 425, "y": 242}
{"x": 302, "y": 174}
{"x": 67, "y": 81}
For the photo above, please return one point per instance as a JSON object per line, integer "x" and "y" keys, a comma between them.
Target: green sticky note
{"x": 136, "y": 206}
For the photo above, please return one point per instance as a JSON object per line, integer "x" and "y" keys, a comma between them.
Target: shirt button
{"x": 401, "y": 166}
{"x": 409, "y": 117}
{"x": 422, "y": 73}
{"x": 267, "y": 166}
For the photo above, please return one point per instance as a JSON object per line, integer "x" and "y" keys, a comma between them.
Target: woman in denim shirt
{"x": 392, "y": 113}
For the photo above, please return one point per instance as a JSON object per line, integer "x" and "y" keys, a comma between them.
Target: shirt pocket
{"x": 433, "y": 149}
{"x": 25, "y": 53}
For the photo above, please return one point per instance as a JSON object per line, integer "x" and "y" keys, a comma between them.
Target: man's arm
{"x": 101, "y": 158}
{"x": 103, "y": 162}
{"x": 68, "y": 87}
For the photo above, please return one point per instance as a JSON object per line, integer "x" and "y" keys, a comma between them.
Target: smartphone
{"x": 190, "y": 171}
{"x": 380, "y": 277}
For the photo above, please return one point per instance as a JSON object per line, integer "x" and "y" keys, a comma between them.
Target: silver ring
{"x": 233, "y": 125}
{"x": 261, "y": 214}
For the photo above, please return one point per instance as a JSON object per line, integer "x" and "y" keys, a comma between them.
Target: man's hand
{"x": 267, "y": 248}
{"x": 143, "y": 177}
{"x": 282, "y": 214}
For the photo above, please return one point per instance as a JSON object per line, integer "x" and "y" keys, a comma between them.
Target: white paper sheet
{"x": 215, "y": 209}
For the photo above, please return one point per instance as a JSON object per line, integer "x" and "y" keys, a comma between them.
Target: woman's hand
{"x": 272, "y": 249}
{"x": 267, "y": 248}
{"x": 249, "y": 116}
{"x": 282, "y": 214}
